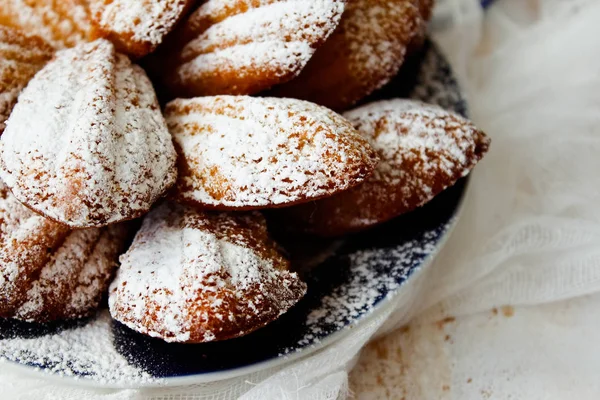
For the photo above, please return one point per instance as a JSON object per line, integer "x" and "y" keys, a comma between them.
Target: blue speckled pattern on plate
{"x": 365, "y": 269}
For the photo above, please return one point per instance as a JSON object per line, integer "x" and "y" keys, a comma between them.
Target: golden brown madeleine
{"x": 21, "y": 56}
{"x": 423, "y": 150}
{"x": 246, "y": 46}
{"x": 136, "y": 27}
{"x": 86, "y": 144}
{"x": 49, "y": 272}
{"x": 62, "y": 23}
{"x": 366, "y": 50}
{"x": 240, "y": 152}
{"x": 193, "y": 276}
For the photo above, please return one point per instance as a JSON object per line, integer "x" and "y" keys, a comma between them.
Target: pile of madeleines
{"x": 106, "y": 189}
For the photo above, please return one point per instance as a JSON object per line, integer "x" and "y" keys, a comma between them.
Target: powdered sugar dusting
{"x": 243, "y": 152}
{"x": 363, "y": 54}
{"x": 48, "y": 272}
{"x": 63, "y": 23}
{"x": 137, "y": 26}
{"x": 21, "y": 56}
{"x": 290, "y": 21}
{"x": 369, "y": 31}
{"x": 85, "y": 352}
{"x": 71, "y": 284}
{"x": 98, "y": 150}
{"x": 24, "y": 240}
{"x": 375, "y": 274}
{"x": 255, "y": 44}
{"x": 244, "y": 59}
{"x": 210, "y": 276}
{"x": 435, "y": 83}
{"x": 403, "y": 129}
{"x": 423, "y": 150}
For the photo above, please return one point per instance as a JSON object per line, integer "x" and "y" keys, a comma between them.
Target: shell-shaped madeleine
{"x": 366, "y": 50}
{"x": 86, "y": 144}
{"x": 21, "y": 56}
{"x": 423, "y": 150}
{"x": 246, "y": 46}
{"x": 62, "y": 23}
{"x": 136, "y": 27}
{"x": 193, "y": 276}
{"x": 239, "y": 152}
{"x": 49, "y": 272}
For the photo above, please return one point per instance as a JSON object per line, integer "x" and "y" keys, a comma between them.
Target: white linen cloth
{"x": 529, "y": 237}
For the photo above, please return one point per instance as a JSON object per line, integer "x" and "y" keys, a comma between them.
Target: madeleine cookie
{"x": 239, "y": 152}
{"x": 136, "y": 27}
{"x": 21, "y": 56}
{"x": 193, "y": 276}
{"x": 62, "y": 23}
{"x": 86, "y": 144}
{"x": 363, "y": 54}
{"x": 423, "y": 150}
{"x": 246, "y": 46}
{"x": 49, "y": 272}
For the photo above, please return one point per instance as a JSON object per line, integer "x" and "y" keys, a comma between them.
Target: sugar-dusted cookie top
{"x": 366, "y": 50}
{"x": 62, "y": 23}
{"x": 21, "y": 56}
{"x": 136, "y": 27}
{"x": 239, "y": 152}
{"x": 193, "y": 276}
{"x": 246, "y": 46}
{"x": 423, "y": 150}
{"x": 49, "y": 272}
{"x": 86, "y": 144}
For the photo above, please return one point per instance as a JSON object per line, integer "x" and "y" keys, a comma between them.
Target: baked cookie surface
{"x": 21, "y": 56}
{"x": 49, "y": 272}
{"x": 423, "y": 150}
{"x": 239, "y": 152}
{"x": 365, "y": 51}
{"x": 61, "y": 23}
{"x": 98, "y": 150}
{"x": 193, "y": 276}
{"x": 136, "y": 27}
{"x": 246, "y": 46}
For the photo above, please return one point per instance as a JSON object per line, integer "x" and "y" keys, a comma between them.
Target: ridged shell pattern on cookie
{"x": 239, "y": 152}
{"x": 49, "y": 272}
{"x": 86, "y": 144}
{"x": 366, "y": 50}
{"x": 136, "y": 27}
{"x": 423, "y": 150}
{"x": 21, "y": 56}
{"x": 193, "y": 276}
{"x": 246, "y": 46}
{"x": 62, "y": 23}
